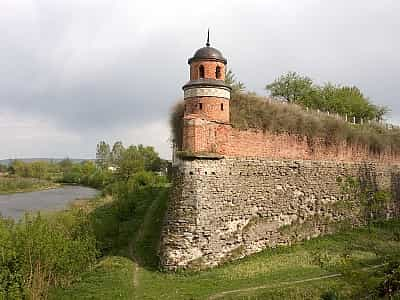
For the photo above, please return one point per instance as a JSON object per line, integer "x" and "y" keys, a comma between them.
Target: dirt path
{"x": 285, "y": 283}
{"x": 134, "y": 259}
{"x": 135, "y": 264}
{"x": 139, "y": 235}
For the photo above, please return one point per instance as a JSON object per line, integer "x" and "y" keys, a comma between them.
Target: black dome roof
{"x": 208, "y": 53}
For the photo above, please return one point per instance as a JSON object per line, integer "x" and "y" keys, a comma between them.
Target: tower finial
{"x": 208, "y": 38}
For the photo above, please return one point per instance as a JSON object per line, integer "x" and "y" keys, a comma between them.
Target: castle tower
{"x": 206, "y": 94}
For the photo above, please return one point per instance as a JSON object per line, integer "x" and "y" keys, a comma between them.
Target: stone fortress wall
{"x": 236, "y": 192}
{"x": 223, "y": 209}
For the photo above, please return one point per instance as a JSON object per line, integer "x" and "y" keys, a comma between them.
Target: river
{"x": 15, "y": 205}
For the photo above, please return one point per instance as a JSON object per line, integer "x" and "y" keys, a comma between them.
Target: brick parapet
{"x": 223, "y": 139}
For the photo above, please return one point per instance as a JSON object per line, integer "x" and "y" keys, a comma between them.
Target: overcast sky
{"x": 73, "y": 72}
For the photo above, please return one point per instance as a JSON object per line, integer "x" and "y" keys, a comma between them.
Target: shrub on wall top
{"x": 248, "y": 110}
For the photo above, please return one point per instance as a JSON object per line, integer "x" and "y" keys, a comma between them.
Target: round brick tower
{"x": 206, "y": 94}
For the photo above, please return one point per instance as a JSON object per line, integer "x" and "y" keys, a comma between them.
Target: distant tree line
{"x": 3, "y": 168}
{"x": 126, "y": 161}
{"x": 37, "y": 169}
{"x": 111, "y": 164}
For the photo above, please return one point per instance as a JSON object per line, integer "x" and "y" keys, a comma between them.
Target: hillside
{"x": 30, "y": 160}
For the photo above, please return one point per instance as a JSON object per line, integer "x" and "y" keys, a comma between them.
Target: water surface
{"x": 15, "y": 205}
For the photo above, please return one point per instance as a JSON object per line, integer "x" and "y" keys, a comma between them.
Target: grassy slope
{"x": 9, "y": 185}
{"x": 110, "y": 279}
{"x": 347, "y": 253}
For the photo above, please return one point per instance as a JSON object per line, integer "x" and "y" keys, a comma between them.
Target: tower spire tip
{"x": 208, "y": 38}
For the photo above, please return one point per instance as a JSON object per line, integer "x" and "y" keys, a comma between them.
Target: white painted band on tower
{"x": 207, "y": 92}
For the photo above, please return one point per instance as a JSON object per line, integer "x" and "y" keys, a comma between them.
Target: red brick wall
{"x": 211, "y": 108}
{"x": 200, "y": 135}
{"x": 223, "y": 139}
{"x": 209, "y": 70}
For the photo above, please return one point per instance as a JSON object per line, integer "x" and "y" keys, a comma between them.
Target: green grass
{"x": 9, "y": 185}
{"x": 111, "y": 278}
{"x": 344, "y": 253}
{"x": 273, "y": 272}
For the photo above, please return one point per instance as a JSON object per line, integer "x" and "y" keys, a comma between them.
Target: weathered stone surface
{"x": 228, "y": 208}
{"x": 225, "y": 205}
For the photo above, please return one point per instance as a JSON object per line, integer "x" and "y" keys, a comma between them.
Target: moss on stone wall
{"x": 219, "y": 207}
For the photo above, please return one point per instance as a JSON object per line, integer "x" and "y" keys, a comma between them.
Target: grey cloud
{"x": 93, "y": 67}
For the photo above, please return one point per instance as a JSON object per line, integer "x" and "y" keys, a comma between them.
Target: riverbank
{"x": 349, "y": 264}
{"x": 12, "y": 185}
{"x": 17, "y": 204}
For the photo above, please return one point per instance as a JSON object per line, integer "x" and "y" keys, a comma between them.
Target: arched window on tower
{"x": 201, "y": 71}
{"x": 218, "y": 72}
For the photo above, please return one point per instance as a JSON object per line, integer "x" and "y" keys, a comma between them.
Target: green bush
{"x": 130, "y": 195}
{"x": 84, "y": 175}
{"x": 176, "y": 123}
{"x": 115, "y": 223}
{"x": 391, "y": 283}
{"x": 329, "y": 295}
{"x": 38, "y": 253}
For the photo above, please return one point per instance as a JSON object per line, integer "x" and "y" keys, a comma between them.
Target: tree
{"x": 18, "y": 167}
{"x": 230, "y": 79}
{"x": 39, "y": 169}
{"x": 3, "y": 168}
{"x": 65, "y": 165}
{"x": 152, "y": 161}
{"x": 103, "y": 155}
{"x": 88, "y": 168}
{"x": 136, "y": 159}
{"x": 293, "y": 87}
{"x": 131, "y": 162}
{"x": 116, "y": 152}
{"x": 344, "y": 100}
{"x": 73, "y": 175}
{"x": 350, "y": 101}
{"x": 176, "y": 123}
{"x": 380, "y": 112}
